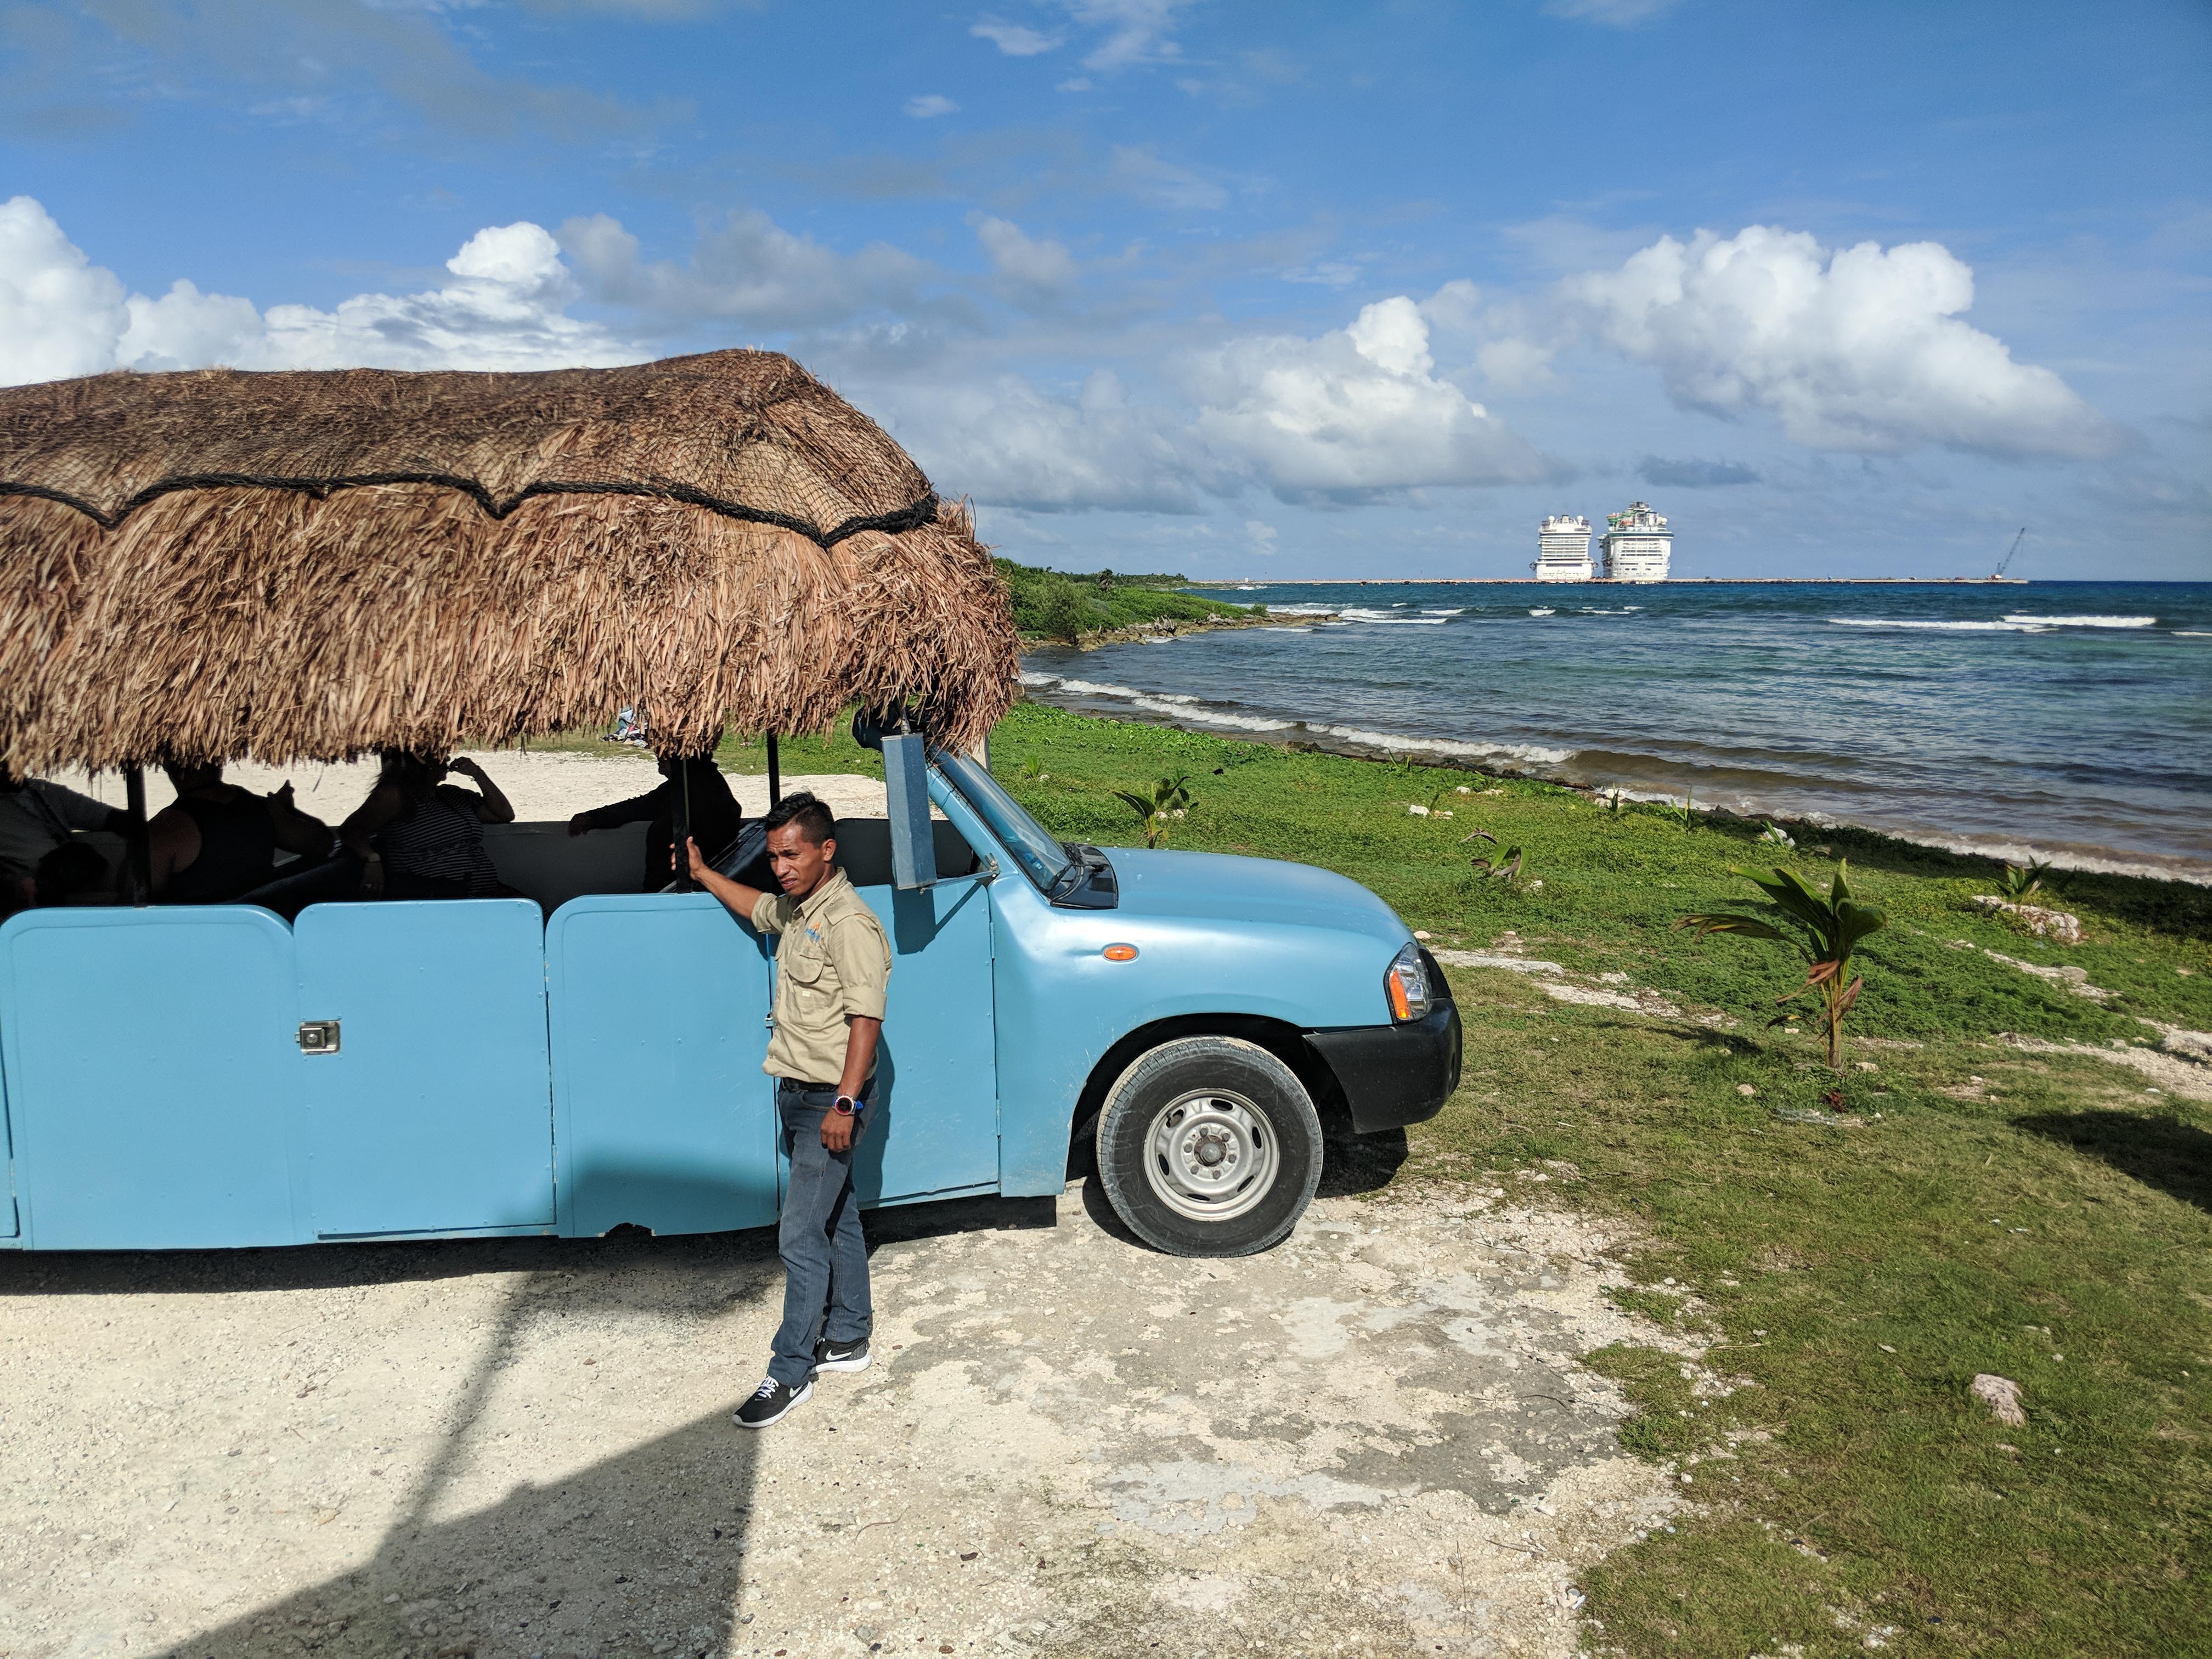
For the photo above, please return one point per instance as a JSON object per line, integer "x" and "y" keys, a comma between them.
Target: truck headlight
{"x": 1407, "y": 984}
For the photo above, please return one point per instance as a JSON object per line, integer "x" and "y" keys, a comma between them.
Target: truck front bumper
{"x": 1394, "y": 1075}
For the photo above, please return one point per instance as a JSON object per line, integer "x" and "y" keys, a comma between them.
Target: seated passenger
{"x": 216, "y": 841}
{"x": 715, "y": 816}
{"x": 74, "y": 872}
{"x": 35, "y": 818}
{"x": 420, "y": 837}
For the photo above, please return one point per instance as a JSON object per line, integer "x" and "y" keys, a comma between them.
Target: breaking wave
{"x": 2085, "y": 622}
{"x": 2005, "y": 627}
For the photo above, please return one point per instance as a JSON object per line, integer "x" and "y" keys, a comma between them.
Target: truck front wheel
{"x": 1209, "y": 1146}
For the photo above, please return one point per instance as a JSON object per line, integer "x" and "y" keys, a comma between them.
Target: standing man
{"x": 832, "y": 966}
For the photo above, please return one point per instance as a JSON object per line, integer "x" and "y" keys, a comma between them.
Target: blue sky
{"x": 1278, "y": 290}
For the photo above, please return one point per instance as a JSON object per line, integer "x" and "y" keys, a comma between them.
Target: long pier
{"x": 1601, "y": 582}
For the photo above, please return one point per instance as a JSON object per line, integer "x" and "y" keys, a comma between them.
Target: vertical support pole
{"x": 141, "y": 857}
{"x": 774, "y": 772}
{"x": 680, "y": 825}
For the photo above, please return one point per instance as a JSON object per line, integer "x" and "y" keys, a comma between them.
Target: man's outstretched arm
{"x": 741, "y": 900}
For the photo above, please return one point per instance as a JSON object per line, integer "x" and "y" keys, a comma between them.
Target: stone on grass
{"x": 2060, "y": 925}
{"x": 2001, "y": 1395}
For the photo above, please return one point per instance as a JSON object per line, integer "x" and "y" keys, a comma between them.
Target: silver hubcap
{"x": 1211, "y": 1155}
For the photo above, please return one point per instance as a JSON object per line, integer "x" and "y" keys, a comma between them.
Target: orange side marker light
{"x": 1120, "y": 953}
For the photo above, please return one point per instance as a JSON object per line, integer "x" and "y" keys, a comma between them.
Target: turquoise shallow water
{"x": 2070, "y": 718}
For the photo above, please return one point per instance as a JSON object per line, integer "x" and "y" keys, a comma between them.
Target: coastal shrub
{"x": 1063, "y": 616}
{"x": 2019, "y": 880}
{"x": 1828, "y": 928}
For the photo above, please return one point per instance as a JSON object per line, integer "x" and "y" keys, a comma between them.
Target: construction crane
{"x": 2005, "y": 563}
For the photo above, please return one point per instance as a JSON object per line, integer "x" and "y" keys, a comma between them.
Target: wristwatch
{"x": 845, "y": 1105}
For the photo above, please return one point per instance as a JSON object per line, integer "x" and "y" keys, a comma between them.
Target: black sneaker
{"x": 842, "y": 1356}
{"x": 772, "y": 1402}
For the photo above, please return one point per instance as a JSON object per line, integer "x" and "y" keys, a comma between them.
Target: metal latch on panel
{"x": 319, "y": 1037}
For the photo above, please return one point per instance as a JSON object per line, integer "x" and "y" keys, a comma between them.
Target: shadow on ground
{"x": 642, "y": 1552}
{"x": 2164, "y": 1152}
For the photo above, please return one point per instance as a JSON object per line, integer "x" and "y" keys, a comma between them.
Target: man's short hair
{"x": 816, "y": 821}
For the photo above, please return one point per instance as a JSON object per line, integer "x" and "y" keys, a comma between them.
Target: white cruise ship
{"x": 1563, "y": 549}
{"x": 1637, "y": 544}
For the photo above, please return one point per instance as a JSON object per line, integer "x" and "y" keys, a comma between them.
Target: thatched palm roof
{"x": 308, "y": 566}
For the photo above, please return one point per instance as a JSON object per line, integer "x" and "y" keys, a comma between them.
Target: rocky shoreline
{"x": 1163, "y": 628}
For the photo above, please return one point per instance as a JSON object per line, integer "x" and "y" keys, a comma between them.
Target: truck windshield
{"x": 1043, "y": 860}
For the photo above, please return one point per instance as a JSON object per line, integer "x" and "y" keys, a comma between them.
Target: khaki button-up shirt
{"x": 833, "y": 964}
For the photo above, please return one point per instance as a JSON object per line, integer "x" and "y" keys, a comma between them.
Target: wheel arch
{"x": 1279, "y": 1037}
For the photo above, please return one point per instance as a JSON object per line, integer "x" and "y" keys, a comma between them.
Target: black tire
{"x": 1209, "y": 1146}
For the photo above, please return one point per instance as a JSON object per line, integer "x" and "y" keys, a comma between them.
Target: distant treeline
{"x": 1055, "y": 604}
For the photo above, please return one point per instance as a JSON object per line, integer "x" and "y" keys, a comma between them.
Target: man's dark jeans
{"x": 825, "y": 1260}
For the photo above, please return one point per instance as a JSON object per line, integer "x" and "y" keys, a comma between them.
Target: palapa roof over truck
{"x": 306, "y": 566}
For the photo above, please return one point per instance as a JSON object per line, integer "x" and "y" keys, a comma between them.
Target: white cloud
{"x": 1620, "y": 13}
{"x": 1137, "y": 31}
{"x": 1263, "y": 536}
{"x": 1860, "y": 349}
{"x": 1045, "y": 267}
{"x": 1355, "y": 412}
{"x": 1324, "y": 273}
{"x": 1138, "y": 171}
{"x": 1010, "y": 444}
{"x": 61, "y": 315}
{"x": 926, "y": 104}
{"x": 748, "y": 269}
{"x": 1074, "y": 83}
{"x": 1013, "y": 39}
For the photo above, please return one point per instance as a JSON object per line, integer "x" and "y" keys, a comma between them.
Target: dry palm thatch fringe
{"x": 308, "y": 566}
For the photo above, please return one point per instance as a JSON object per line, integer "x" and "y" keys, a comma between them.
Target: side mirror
{"x": 906, "y": 792}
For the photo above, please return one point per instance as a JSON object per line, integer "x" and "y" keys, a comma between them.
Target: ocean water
{"x": 2073, "y": 720}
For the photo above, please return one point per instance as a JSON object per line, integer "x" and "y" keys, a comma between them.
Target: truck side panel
{"x": 149, "y": 1057}
{"x": 658, "y": 1016}
{"x": 935, "y": 1124}
{"x": 434, "y": 1115}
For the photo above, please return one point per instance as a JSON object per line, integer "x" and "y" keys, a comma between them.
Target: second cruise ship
{"x": 1638, "y": 546}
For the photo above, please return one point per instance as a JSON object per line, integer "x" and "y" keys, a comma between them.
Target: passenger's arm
{"x": 860, "y": 1037}
{"x": 742, "y": 901}
{"x": 297, "y": 831}
{"x": 639, "y": 809}
{"x": 494, "y": 808}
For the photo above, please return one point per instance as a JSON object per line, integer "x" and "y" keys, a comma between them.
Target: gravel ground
{"x": 1373, "y": 1440}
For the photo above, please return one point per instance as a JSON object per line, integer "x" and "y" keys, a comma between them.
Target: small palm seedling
{"x": 1032, "y": 770}
{"x": 1169, "y": 800}
{"x": 2019, "y": 880}
{"x": 1688, "y": 811}
{"x": 1504, "y": 867}
{"x": 1827, "y": 930}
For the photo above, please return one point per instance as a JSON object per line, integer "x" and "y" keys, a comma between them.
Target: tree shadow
{"x": 2164, "y": 1152}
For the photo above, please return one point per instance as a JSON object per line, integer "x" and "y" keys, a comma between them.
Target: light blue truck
{"x": 587, "y": 1059}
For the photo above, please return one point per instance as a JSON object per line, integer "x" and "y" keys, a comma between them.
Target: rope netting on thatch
{"x": 309, "y": 566}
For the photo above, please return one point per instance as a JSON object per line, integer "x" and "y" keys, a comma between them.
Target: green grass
{"x": 2040, "y": 1216}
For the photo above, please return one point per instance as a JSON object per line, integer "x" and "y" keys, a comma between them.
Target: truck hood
{"x": 1219, "y": 887}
